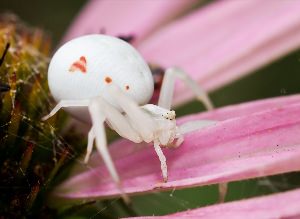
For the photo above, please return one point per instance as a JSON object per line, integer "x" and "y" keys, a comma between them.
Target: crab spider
{"x": 101, "y": 79}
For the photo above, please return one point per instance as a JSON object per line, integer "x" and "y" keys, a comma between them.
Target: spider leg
{"x": 142, "y": 122}
{"x": 139, "y": 119}
{"x": 163, "y": 160}
{"x": 195, "y": 125}
{"x": 167, "y": 88}
{"x": 187, "y": 128}
{"x": 117, "y": 122}
{"x": 98, "y": 118}
{"x": 66, "y": 103}
{"x": 89, "y": 148}
{"x": 123, "y": 130}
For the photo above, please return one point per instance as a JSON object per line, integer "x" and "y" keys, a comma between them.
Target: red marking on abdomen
{"x": 82, "y": 58}
{"x": 108, "y": 80}
{"x": 79, "y": 65}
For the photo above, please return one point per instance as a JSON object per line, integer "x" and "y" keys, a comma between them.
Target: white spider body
{"x": 104, "y": 79}
{"x": 106, "y": 60}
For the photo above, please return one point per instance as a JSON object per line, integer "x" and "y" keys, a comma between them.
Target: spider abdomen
{"x": 82, "y": 68}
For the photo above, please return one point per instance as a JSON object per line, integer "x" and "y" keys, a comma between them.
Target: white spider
{"x": 108, "y": 77}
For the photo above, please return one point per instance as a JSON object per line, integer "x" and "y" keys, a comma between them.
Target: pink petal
{"x": 126, "y": 17}
{"x": 226, "y": 40}
{"x": 250, "y": 140}
{"x": 282, "y": 205}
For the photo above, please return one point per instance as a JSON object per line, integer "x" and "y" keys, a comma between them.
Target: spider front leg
{"x": 163, "y": 160}
{"x": 138, "y": 118}
{"x": 101, "y": 111}
{"x": 142, "y": 122}
{"x": 89, "y": 148}
{"x": 75, "y": 103}
{"x": 98, "y": 118}
{"x": 118, "y": 122}
{"x": 167, "y": 88}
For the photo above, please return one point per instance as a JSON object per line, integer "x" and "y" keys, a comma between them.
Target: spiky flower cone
{"x": 31, "y": 151}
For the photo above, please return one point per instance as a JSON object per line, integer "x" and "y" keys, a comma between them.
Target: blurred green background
{"x": 53, "y": 16}
{"x": 280, "y": 78}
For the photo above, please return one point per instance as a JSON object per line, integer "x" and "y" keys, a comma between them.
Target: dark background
{"x": 54, "y": 16}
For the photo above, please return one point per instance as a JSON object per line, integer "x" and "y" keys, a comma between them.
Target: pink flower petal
{"x": 224, "y": 113}
{"x": 250, "y": 140}
{"x": 282, "y": 205}
{"x": 226, "y": 40}
{"x": 126, "y": 17}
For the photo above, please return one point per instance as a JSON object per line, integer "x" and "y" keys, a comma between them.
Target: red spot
{"x": 127, "y": 87}
{"x": 108, "y": 80}
{"x": 82, "y": 58}
{"x": 79, "y": 65}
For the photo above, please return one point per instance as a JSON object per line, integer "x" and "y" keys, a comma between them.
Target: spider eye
{"x": 170, "y": 115}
